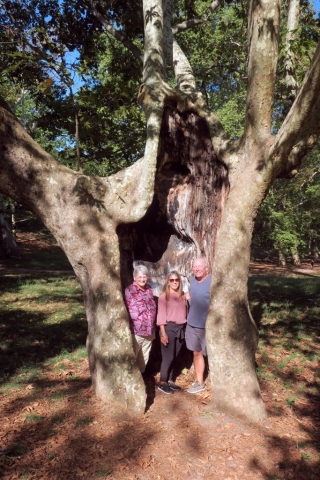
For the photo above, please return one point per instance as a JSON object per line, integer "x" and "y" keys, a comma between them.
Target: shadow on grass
{"x": 287, "y": 312}
{"x": 39, "y": 319}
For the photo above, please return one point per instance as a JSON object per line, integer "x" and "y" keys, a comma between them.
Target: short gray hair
{"x": 140, "y": 268}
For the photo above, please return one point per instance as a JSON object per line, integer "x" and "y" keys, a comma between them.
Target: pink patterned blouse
{"x": 142, "y": 310}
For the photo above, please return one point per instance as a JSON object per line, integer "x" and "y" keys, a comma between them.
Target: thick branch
{"x": 175, "y": 56}
{"x": 263, "y": 32}
{"x": 301, "y": 128}
{"x": 289, "y": 63}
{"x": 153, "y": 64}
{"x": 35, "y": 179}
{"x": 306, "y": 141}
{"x": 167, "y": 31}
{"x": 151, "y": 98}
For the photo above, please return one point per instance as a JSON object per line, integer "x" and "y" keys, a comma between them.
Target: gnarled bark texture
{"x": 194, "y": 213}
{"x": 191, "y": 189}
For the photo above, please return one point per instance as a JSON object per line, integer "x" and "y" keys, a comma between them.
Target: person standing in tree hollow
{"x": 142, "y": 311}
{"x": 172, "y": 317}
{"x": 196, "y": 323}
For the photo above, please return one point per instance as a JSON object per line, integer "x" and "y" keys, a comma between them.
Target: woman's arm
{"x": 162, "y": 319}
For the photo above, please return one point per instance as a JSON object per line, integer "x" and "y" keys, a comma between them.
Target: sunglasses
{"x": 174, "y": 280}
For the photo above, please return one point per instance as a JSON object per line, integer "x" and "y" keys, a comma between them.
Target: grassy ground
{"x": 287, "y": 310}
{"x": 42, "y": 321}
{"x": 45, "y": 384}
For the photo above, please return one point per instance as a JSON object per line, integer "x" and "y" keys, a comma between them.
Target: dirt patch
{"x": 257, "y": 268}
{"x": 58, "y": 430}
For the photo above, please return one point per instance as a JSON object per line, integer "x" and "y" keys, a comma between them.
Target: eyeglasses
{"x": 174, "y": 280}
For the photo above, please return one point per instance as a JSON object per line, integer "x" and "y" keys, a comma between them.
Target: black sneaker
{"x": 173, "y": 386}
{"x": 164, "y": 388}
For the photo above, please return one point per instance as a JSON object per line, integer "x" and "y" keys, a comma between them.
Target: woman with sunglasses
{"x": 172, "y": 317}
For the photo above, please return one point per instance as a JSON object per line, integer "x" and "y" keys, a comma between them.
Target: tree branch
{"x": 115, "y": 33}
{"x": 153, "y": 59}
{"x": 263, "y": 31}
{"x": 301, "y": 128}
{"x": 151, "y": 97}
{"x": 194, "y": 22}
{"x": 289, "y": 63}
{"x": 175, "y": 56}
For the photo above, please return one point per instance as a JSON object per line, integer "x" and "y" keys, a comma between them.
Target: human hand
{"x": 164, "y": 340}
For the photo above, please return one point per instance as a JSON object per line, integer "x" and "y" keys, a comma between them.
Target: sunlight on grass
{"x": 288, "y": 318}
{"x": 42, "y": 322}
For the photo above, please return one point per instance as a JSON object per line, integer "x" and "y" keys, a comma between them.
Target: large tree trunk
{"x": 83, "y": 214}
{"x": 232, "y": 334}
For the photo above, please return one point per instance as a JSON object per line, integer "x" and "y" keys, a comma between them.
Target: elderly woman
{"x": 142, "y": 311}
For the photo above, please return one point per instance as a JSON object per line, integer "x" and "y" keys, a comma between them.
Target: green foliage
{"x": 217, "y": 51}
{"x": 306, "y": 456}
{"x": 38, "y": 34}
{"x": 289, "y": 218}
{"x": 66, "y": 64}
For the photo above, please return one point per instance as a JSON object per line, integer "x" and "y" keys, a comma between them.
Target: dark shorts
{"x": 196, "y": 339}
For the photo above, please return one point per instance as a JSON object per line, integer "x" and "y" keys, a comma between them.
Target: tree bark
{"x": 290, "y": 61}
{"x": 83, "y": 214}
{"x": 282, "y": 258}
{"x": 295, "y": 257}
{"x": 8, "y": 245}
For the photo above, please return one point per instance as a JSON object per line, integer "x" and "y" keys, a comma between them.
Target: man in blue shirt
{"x": 196, "y": 322}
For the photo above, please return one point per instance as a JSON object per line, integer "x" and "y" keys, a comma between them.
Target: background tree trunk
{"x": 282, "y": 258}
{"x": 295, "y": 257}
{"x": 314, "y": 249}
{"x": 8, "y": 245}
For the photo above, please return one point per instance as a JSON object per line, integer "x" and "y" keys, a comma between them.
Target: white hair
{"x": 140, "y": 268}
